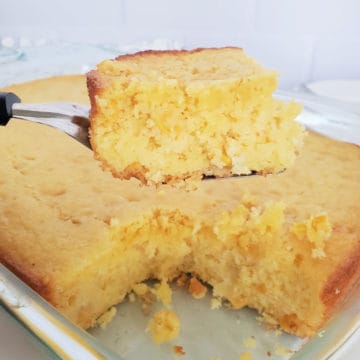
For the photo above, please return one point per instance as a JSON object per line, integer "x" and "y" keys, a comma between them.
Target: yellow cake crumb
{"x": 250, "y": 342}
{"x": 141, "y": 289}
{"x": 164, "y": 326}
{"x": 316, "y": 230}
{"x": 178, "y": 350}
{"x": 215, "y": 303}
{"x": 106, "y": 317}
{"x": 132, "y": 297}
{"x": 182, "y": 280}
{"x": 163, "y": 292}
{"x": 245, "y": 356}
{"x": 196, "y": 288}
{"x": 144, "y": 293}
{"x": 281, "y": 350}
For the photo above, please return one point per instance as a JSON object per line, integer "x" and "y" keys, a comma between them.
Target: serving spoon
{"x": 73, "y": 119}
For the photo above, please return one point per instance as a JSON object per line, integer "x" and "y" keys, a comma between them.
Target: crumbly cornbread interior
{"x": 286, "y": 244}
{"x": 166, "y": 116}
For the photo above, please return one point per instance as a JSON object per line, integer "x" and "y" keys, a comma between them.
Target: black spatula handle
{"x": 7, "y": 100}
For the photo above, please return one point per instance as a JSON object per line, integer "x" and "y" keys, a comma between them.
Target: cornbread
{"x": 164, "y": 116}
{"x": 196, "y": 288}
{"x": 178, "y": 350}
{"x": 245, "y": 356}
{"x": 164, "y": 326}
{"x": 104, "y": 319}
{"x": 163, "y": 292}
{"x": 287, "y": 245}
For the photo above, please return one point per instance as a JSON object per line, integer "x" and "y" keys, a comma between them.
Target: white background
{"x": 305, "y": 40}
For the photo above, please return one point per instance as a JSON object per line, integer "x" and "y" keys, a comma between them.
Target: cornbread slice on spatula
{"x": 164, "y": 116}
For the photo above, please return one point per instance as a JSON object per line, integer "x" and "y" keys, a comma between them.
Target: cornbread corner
{"x": 287, "y": 245}
{"x": 166, "y": 116}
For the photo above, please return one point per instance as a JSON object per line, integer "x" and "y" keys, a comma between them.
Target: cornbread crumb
{"x": 141, "y": 290}
{"x": 132, "y": 297}
{"x": 216, "y": 303}
{"x": 178, "y": 350}
{"x": 282, "y": 351}
{"x": 321, "y": 333}
{"x": 269, "y": 322}
{"x": 250, "y": 342}
{"x": 316, "y": 230}
{"x": 106, "y": 317}
{"x": 164, "y": 326}
{"x": 245, "y": 356}
{"x": 196, "y": 288}
{"x": 144, "y": 293}
{"x": 182, "y": 280}
{"x": 163, "y": 292}
{"x": 154, "y": 118}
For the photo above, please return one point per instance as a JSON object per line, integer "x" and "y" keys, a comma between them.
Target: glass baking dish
{"x": 223, "y": 333}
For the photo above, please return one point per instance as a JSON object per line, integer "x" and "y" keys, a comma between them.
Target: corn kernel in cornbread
{"x": 165, "y": 116}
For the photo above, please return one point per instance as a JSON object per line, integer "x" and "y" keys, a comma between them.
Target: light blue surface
{"x": 49, "y": 59}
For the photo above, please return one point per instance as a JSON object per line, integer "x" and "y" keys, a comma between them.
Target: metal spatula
{"x": 73, "y": 119}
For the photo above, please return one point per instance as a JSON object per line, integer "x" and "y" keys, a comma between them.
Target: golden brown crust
{"x": 134, "y": 170}
{"x": 32, "y": 279}
{"x": 344, "y": 278}
{"x": 170, "y": 52}
{"x": 196, "y": 288}
{"x": 94, "y": 86}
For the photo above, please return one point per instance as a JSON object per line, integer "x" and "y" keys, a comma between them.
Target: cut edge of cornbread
{"x": 167, "y": 126}
{"x": 242, "y": 275}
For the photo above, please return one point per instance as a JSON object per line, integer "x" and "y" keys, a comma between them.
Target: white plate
{"x": 343, "y": 90}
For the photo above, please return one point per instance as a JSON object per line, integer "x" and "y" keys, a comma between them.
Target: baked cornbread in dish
{"x": 287, "y": 245}
{"x": 164, "y": 116}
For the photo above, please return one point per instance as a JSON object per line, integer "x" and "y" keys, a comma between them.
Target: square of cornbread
{"x": 287, "y": 245}
{"x": 165, "y": 116}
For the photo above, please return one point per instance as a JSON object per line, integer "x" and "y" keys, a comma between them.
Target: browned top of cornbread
{"x": 202, "y": 64}
{"x": 57, "y": 205}
{"x": 134, "y": 66}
